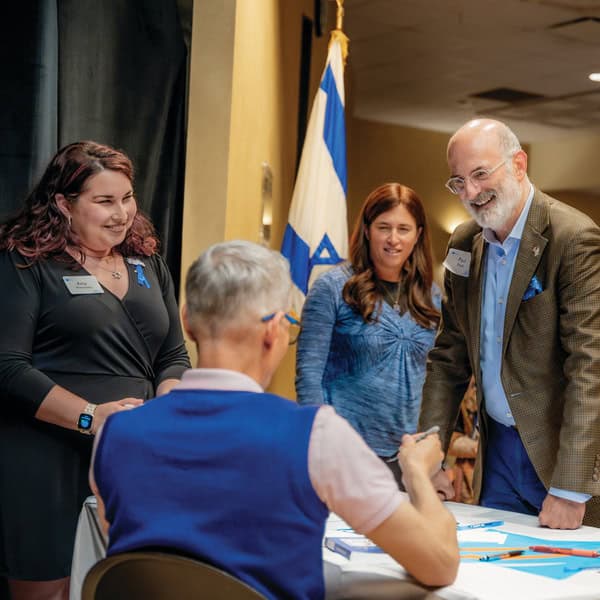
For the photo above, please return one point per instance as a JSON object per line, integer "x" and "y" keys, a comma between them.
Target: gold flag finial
{"x": 337, "y": 34}
{"x": 339, "y": 22}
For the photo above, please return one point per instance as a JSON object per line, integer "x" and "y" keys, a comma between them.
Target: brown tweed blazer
{"x": 551, "y": 350}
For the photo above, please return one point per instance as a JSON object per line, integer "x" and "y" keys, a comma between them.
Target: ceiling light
{"x": 594, "y": 76}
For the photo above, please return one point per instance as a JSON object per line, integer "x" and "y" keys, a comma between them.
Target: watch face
{"x": 85, "y": 421}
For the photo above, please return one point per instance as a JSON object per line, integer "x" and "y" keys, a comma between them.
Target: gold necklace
{"x": 395, "y": 302}
{"x": 116, "y": 274}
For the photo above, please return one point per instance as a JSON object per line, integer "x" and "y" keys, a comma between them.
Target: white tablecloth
{"x": 475, "y": 581}
{"x": 90, "y": 546}
{"x": 384, "y": 578}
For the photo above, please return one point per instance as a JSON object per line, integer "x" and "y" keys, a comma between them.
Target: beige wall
{"x": 243, "y": 106}
{"x": 570, "y": 162}
{"x": 568, "y": 168}
{"x": 207, "y": 152}
{"x": 586, "y": 202}
{"x": 264, "y": 123}
{"x": 264, "y": 110}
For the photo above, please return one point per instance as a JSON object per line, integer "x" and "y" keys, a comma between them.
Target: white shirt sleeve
{"x": 348, "y": 476}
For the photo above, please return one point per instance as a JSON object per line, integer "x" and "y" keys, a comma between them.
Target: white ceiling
{"x": 418, "y": 62}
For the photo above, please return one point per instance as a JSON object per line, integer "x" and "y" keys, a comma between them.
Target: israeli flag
{"x": 316, "y": 236}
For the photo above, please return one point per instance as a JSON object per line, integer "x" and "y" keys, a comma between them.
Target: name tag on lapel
{"x": 82, "y": 284}
{"x": 458, "y": 262}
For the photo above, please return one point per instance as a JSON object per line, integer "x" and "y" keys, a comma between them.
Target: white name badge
{"x": 83, "y": 284}
{"x": 458, "y": 262}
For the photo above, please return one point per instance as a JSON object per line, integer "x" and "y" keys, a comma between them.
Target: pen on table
{"x": 502, "y": 555}
{"x": 570, "y": 551}
{"x": 418, "y": 438}
{"x": 480, "y": 525}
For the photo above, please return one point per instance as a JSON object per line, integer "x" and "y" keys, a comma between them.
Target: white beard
{"x": 499, "y": 211}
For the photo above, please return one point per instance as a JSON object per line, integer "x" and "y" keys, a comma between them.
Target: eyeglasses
{"x": 456, "y": 185}
{"x": 294, "y": 325}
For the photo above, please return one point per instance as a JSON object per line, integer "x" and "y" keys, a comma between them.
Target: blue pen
{"x": 480, "y": 525}
{"x": 501, "y": 555}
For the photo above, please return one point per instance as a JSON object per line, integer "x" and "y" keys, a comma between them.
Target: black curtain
{"x": 113, "y": 71}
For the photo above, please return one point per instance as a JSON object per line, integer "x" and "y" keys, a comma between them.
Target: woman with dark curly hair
{"x": 90, "y": 327}
{"x": 368, "y": 324}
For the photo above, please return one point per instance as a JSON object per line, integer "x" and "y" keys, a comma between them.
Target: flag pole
{"x": 340, "y": 14}
{"x": 338, "y": 34}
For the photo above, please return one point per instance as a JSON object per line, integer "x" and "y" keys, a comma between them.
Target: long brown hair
{"x": 40, "y": 230}
{"x": 361, "y": 291}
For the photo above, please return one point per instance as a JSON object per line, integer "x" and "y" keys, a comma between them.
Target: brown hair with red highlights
{"x": 40, "y": 230}
{"x": 362, "y": 291}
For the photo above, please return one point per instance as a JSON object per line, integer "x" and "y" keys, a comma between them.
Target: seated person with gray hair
{"x": 243, "y": 479}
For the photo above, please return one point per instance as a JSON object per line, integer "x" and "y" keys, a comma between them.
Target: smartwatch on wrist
{"x": 86, "y": 418}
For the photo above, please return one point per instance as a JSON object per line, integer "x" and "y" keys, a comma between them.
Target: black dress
{"x": 95, "y": 345}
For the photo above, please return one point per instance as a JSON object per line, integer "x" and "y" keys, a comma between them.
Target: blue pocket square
{"x": 533, "y": 289}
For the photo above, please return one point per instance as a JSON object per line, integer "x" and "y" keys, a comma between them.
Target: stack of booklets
{"x": 352, "y": 547}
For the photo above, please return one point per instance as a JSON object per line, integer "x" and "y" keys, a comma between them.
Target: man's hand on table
{"x": 560, "y": 513}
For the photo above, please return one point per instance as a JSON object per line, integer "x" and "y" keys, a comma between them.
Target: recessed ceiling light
{"x": 594, "y": 76}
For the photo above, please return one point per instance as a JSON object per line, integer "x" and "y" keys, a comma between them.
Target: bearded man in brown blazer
{"x": 521, "y": 312}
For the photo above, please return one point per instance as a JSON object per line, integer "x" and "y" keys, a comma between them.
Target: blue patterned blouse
{"x": 372, "y": 373}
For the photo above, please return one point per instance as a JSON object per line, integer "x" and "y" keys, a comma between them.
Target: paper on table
{"x": 481, "y": 535}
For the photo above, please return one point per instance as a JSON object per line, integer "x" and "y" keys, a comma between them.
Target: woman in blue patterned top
{"x": 368, "y": 324}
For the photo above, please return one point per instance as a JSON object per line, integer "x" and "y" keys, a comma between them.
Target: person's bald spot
{"x": 479, "y": 134}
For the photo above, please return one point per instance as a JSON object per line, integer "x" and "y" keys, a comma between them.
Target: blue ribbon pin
{"x": 139, "y": 270}
{"x": 141, "y": 278}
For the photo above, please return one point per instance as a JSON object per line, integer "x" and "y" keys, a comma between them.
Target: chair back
{"x": 161, "y": 576}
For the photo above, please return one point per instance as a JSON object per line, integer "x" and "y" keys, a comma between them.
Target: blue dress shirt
{"x": 499, "y": 268}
